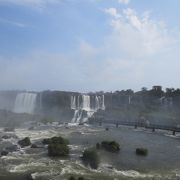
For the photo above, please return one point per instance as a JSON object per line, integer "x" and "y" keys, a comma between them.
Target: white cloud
{"x": 139, "y": 35}
{"x": 113, "y": 12}
{"x": 137, "y": 52}
{"x": 124, "y": 1}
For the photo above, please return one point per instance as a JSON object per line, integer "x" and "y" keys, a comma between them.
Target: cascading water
{"x": 25, "y": 103}
{"x": 85, "y": 106}
{"x": 86, "y": 103}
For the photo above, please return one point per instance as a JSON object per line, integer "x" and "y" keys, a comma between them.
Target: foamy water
{"x": 37, "y": 161}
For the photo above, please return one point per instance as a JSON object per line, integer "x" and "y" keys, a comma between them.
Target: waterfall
{"x": 73, "y": 102}
{"x": 85, "y": 106}
{"x": 25, "y": 103}
{"x": 129, "y": 99}
{"x": 103, "y": 105}
{"x": 86, "y": 103}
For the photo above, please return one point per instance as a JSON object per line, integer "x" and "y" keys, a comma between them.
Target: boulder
{"x": 142, "y": 151}
{"x": 4, "y": 153}
{"x": 34, "y": 146}
{"x": 25, "y": 142}
{"x": 12, "y": 148}
{"x": 8, "y": 129}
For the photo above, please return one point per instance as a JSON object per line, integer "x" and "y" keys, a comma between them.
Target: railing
{"x": 140, "y": 124}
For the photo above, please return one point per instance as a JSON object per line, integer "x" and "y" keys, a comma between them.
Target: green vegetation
{"x": 91, "y": 158}
{"x": 24, "y": 142}
{"x": 73, "y": 178}
{"x": 142, "y": 151}
{"x": 81, "y": 178}
{"x": 111, "y": 146}
{"x": 56, "y": 140}
{"x": 57, "y": 146}
{"x": 58, "y": 149}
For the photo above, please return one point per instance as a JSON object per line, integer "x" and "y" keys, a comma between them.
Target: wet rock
{"x": 46, "y": 141}
{"x": 12, "y": 148}
{"x": 4, "y": 153}
{"x": 31, "y": 128}
{"x": 34, "y": 146}
{"x": 142, "y": 151}
{"x": 25, "y": 142}
{"x": 8, "y": 129}
{"x": 6, "y": 137}
{"x": 29, "y": 177}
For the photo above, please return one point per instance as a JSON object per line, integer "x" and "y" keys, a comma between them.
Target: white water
{"x": 85, "y": 106}
{"x": 25, "y": 103}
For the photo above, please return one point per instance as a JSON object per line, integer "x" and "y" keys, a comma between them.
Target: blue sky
{"x": 89, "y": 45}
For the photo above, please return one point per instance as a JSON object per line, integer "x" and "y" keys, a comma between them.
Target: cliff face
{"x": 154, "y": 105}
{"x": 56, "y": 104}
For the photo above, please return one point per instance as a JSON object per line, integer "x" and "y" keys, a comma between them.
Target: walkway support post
{"x": 117, "y": 125}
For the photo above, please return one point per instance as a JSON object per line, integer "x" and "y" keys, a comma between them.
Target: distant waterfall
{"x": 25, "y": 103}
{"x": 86, "y": 103}
{"x": 85, "y": 106}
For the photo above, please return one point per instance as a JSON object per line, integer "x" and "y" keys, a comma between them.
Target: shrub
{"x": 24, "y": 142}
{"x": 142, "y": 151}
{"x": 59, "y": 140}
{"x": 72, "y": 178}
{"x": 56, "y": 140}
{"x": 57, "y": 146}
{"x": 81, "y": 178}
{"x": 90, "y": 157}
{"x": 111, "y": 146}
{"x": 58, "y": 149}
